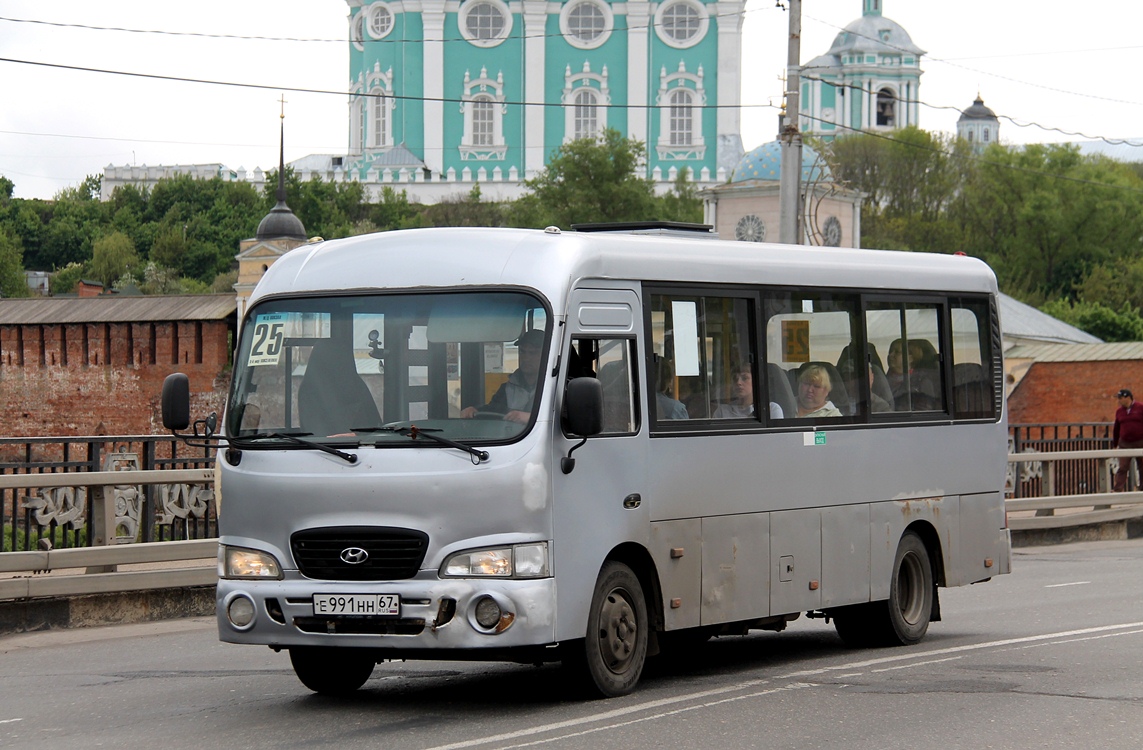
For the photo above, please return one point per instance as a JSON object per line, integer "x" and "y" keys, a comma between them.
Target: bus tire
{"x": 331, "y": 671}
{"x": 911, "y": 592}
{"x": 902, "y": 620}
{"x": 615, "y": 646}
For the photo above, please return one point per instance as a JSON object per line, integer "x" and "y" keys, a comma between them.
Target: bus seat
{"x": 881, "y": 385}
{"x": 780, "y": 392}
{"x": 971, "y": 394}
{"x": 333, "y": 398}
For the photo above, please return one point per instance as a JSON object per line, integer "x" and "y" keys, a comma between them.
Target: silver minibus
{"x": 594, "y": 446}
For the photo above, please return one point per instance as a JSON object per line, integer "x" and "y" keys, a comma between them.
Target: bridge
{"x": 101, "y": 530}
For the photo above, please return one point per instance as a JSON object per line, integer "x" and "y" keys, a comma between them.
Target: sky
{"x": 1062, "y": 70}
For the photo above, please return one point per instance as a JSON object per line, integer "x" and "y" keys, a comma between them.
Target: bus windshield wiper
{"x": 296, "y": 438}
{"x": 414, "y": 432}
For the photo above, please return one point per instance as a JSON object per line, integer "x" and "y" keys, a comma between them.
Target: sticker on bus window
{"x": 269, "y": 335}
{"x": 795, "y": 341}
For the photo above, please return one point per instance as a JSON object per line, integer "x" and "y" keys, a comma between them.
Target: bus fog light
{"x": 240, "y": 611}
{"x": 487, "y": 613}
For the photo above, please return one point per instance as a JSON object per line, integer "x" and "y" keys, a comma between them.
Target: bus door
{"x": 599, "y": 503}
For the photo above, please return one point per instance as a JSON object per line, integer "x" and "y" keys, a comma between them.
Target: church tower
{"x": 868, "y": 80}
{"x": 978, "y": 125}
{"x": 279, "y": 232}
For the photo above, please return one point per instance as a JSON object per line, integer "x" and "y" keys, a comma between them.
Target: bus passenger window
{"x": 805, "y": 335}
{"x": 702, "y": 358}
{"x": 910, "y": 334}
{"x": 972, "y": 359}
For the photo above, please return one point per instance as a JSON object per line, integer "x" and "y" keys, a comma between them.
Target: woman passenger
{"x": 813, "y": 393}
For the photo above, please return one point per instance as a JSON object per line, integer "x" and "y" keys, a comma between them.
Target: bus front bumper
{"x": 441, "y": 614}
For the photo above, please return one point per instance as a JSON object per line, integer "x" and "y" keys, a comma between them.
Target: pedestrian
{"x": 1127, "y": 433}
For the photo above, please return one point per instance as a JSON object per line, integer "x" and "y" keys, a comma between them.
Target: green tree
{"x": 682, "y": 202}
{"x": 1044, "y": 216}
{"x": 465, "y": 211}
{"x": 65, "y": 279}
{"x": 590, "y": 180}
{"x": 12, "y": 282}
{"x": 112, "y": 256}
{"x": 1098, "y": 320}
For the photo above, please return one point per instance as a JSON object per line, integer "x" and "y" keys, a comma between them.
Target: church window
{"x": 380, "y": 20}
{"x": 379, "y": 103}
{"x": 482, "y": 106}
{"x": 681, "y": 118}
{"x": 485, "y": 23}
{"x": 682, "y": 23}
{"x": 585, "y": 99}
{"x": 750, "y": 228}
{"x": 984, "y": 135}
{"x": 483, "y": 121}
{"x": 680, "y": 100}
{"x": 969, "y": 134}
{"x": 357, "y": 31}
{"x": 586, "y": 114}
{"x": 586, "y": 24}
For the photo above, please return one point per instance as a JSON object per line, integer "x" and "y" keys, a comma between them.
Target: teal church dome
{"x": 765, "y": 163}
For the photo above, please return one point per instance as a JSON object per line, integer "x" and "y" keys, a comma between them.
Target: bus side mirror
{"x": 176, "y": 401}
{"x": 583, "y": 403}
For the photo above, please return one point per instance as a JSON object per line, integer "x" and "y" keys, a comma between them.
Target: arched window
{"x": 586, "y": 114}
{"x": 984, "y": 135}
{"x": 680, "y": 104}
{"x": 483, "y": 121}
{"x": 681, "y": 117}
{"x": 483, "y": 109}
{"x": 379, "y": 104}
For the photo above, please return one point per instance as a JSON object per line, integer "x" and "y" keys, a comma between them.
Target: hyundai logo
{"x": 354, "y": 555}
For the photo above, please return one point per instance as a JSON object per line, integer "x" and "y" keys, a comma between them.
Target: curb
{"x": 1109, "y": 531}
{"x": 27, "y": 616}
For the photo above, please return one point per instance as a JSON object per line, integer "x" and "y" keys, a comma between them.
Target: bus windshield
{"x": 367, "y": 368}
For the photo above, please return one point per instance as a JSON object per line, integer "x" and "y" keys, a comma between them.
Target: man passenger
{"x": 742, "y": 403}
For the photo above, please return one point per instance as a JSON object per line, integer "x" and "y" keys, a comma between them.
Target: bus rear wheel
{"x": 331, "y": 671}
{"x": 902, "y": 620}
{"x": 615, "y": 647}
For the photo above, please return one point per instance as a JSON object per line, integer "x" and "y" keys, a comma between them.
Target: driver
{"x": 515, "y": 397}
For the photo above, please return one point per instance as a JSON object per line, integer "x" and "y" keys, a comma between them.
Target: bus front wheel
{"x": 331, "y": 671}
{"x": 902, "y": 620}
{"x": 615, "y": 647}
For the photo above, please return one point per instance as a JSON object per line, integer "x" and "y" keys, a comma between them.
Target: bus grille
{"x": 391, "y": 554}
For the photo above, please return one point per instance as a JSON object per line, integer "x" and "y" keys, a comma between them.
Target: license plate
{"x": 377, "y": 605}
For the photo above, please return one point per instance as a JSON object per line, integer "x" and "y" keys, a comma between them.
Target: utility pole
{"x": 790, "y": 178}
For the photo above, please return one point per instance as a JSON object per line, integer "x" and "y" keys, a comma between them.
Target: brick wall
{"x": 1073, "y": 391}
{"x": 106, "y": 378}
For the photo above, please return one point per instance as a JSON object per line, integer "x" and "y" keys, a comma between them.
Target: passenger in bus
{"x": 742, "y": 405}
{"x": 813, "y": 393}
{"x": 514, "y": 399}
{"x": 666, "y": 405}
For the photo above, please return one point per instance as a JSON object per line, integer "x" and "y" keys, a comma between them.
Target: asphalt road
{"x": 1048, "y": 657}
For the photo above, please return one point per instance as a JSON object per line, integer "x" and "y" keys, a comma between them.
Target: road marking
{"x": 915, "y": 664}
{"x": 9, "y": 721}
{"x": 1061, "y": 585}
{"x": 796, "y": 679}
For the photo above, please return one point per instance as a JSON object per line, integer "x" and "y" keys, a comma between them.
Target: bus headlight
{"x": 237, "y": 562}
{"x": 517, "y": 561}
